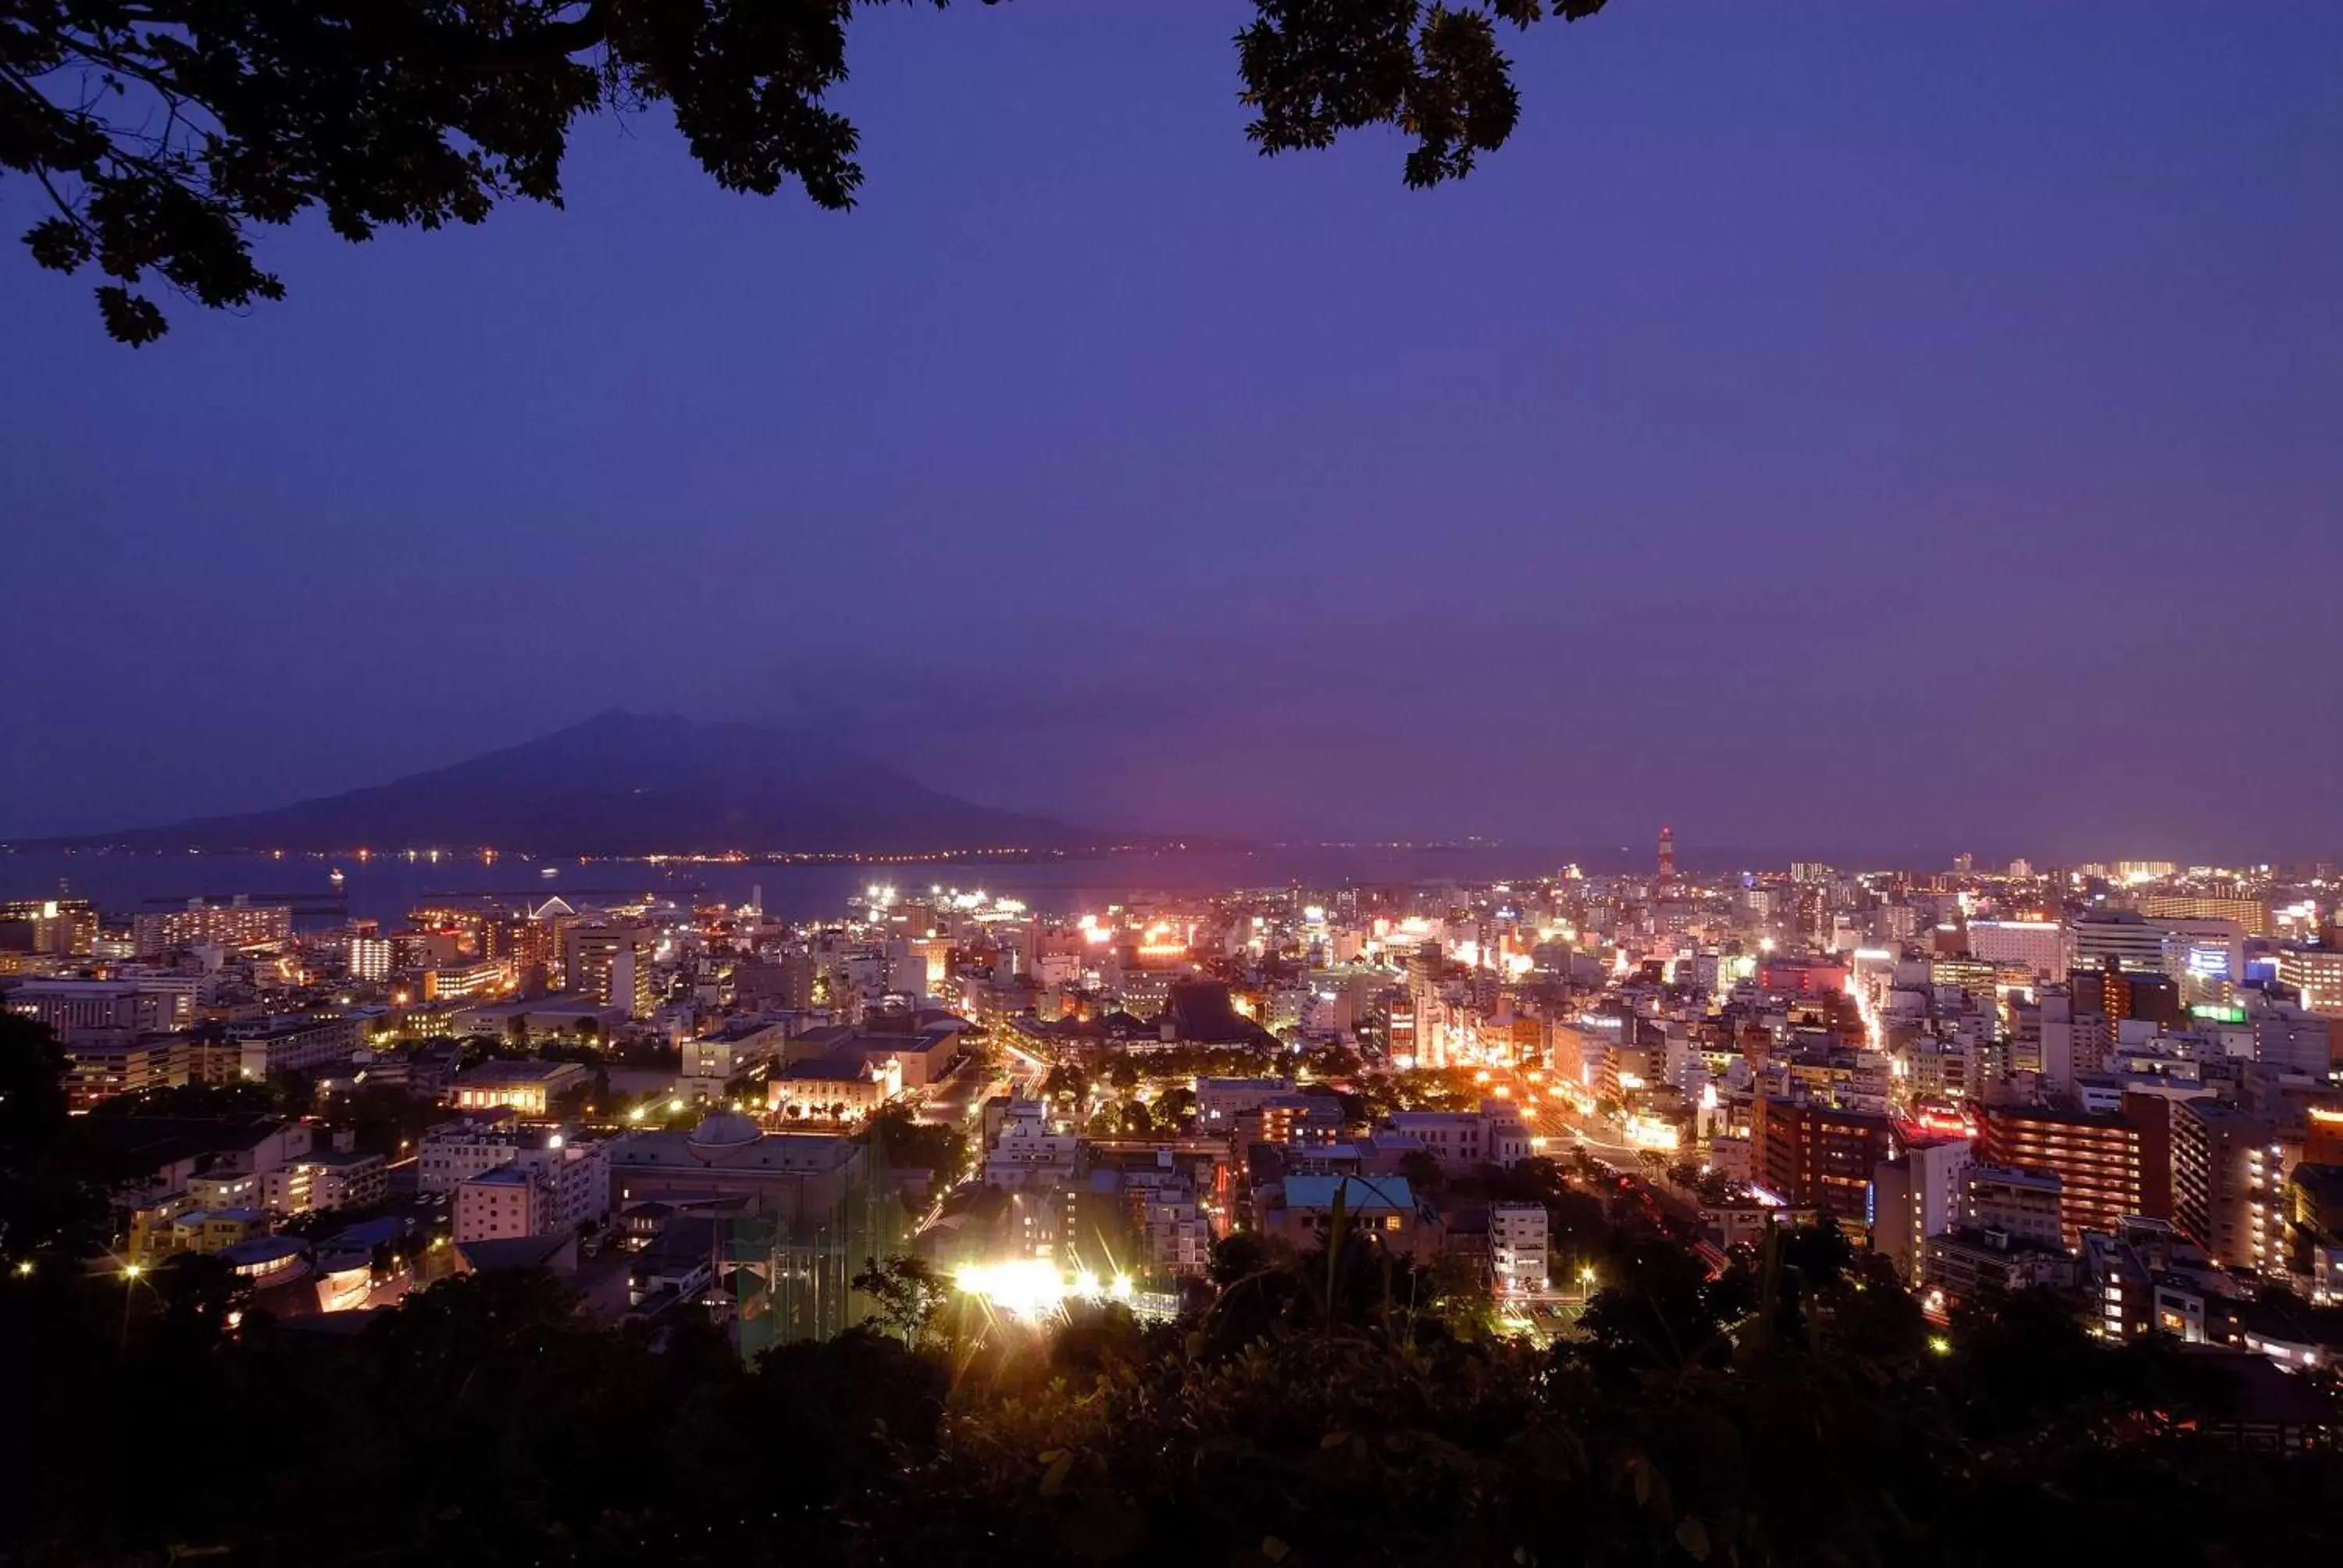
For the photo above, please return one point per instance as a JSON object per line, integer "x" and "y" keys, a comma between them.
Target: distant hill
{"x": 631, "y": 784}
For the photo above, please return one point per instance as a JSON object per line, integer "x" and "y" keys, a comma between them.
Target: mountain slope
{"x": 631, "y": 784}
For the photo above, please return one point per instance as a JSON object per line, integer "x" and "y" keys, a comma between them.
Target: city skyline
{"x": 1860, "y": 426}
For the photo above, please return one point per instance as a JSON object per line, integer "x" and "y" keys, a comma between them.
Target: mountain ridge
{"x": 623, "y": 783}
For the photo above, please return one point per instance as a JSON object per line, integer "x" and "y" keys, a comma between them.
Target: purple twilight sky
{"x": 1861, "y": 422}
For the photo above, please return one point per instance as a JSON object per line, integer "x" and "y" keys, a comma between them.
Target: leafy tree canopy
{"x": 158, "y": 134}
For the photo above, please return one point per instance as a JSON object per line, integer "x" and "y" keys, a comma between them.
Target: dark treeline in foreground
{"x": 1796, "y": 1410}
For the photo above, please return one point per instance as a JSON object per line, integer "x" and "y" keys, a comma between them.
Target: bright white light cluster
{"x": 1034, "y": 1290}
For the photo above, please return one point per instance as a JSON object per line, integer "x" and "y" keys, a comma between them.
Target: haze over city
{"x": 1842, "y": 427}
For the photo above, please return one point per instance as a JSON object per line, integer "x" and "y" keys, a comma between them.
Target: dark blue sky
{"x": 1852, "y": 423}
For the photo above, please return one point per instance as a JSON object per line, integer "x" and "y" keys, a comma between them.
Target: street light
{"x": 131, "y": 1270}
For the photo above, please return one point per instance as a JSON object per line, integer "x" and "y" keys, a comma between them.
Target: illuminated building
{"x": 1426, "y": 1012}
{"x": 464, "y": 979}
{"x": 2314, "y": 1212}
{"x": 529, "y": 947}
{"x": 422, "y": 947}
{"x": 295, "y": 1043}
{"x": 2228, "y": 1176}
{"x": 54, "y": 927}
{"x": 1914, "y": 1196}
{"x": 1668, "y": 879}
{"x": 2316, "y": 974}
{"x": 2253, "y": 915}
{"x": 1465, "y": 1140}
{"x": 1785, "y": 974}
{"x": 554, "y": 1188}
{"x": 1977, "y": 976}
{"x": 319, "y": 1181}
{"x": 78, "y": 1009}
{"x": 235, "y": 924}
{"x": 1819, "y": 1157}
{"x": 611, "y": 965}
{"x": 923, "y": 1045}
{"x": 2115, "y": 995}
{"x": 454, "y": 1151}
{"x": 1518, "y": 1254}
{"x": 99, "y": 1070}
{"x": 2021, "y": 1204}
{"x": 209, "y": 1231}
{"x": 369, "y": 957}
{"x": 1027, "y": 1153}
{"x": 2124, "y": 943}
{"x": 851, "y": 1083}
{"x": 2116, "y": 1279}
{"x": 1221, "y": 1100}
{"x": 2039, "y": 945}
{"x": 2097, "y": 1159}
{"x": 527, "y": 1087}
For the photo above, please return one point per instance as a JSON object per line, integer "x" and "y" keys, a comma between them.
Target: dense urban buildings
{"x": 2104, "y": 1083}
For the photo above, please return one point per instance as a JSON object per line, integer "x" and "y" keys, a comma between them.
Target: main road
{"x": 1551, "y": 1117}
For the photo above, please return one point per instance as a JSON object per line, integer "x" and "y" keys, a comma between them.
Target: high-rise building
{"x": 2039, "y": 945}
{"x": 2229, "y": 1169}
{"x": 1914, "y": 1196}
{"x": 1819, "y": 1157}
{"x": 369, "y": 957}
{"x": 611, "y": 964}
{"x": 56, "y": 928}
{"x": 1975, "y": 976}
{"x": 2097, "y": 1158}
{"x": 2316, "y": 974}
{"x": 530, "y": 947}
{"x": 2116, "y": 995}
{"x": 2055, "y": 1043}
{"x": 1667, "y": 883}
{"x": 2131, "y": 943}
{"x": 2314, "y": 1212}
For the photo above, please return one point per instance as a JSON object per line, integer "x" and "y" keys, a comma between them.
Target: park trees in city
{"x": 906, "y": 1294}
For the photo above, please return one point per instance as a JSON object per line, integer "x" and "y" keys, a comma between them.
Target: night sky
{"x": 1832, "y": 424}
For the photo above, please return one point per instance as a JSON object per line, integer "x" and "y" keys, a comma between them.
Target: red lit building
{"x": 1790, "y": 975}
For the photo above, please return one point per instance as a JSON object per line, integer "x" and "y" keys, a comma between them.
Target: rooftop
{"x": 1360, "y": 1194}
{"x": 515, "y": 1073}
